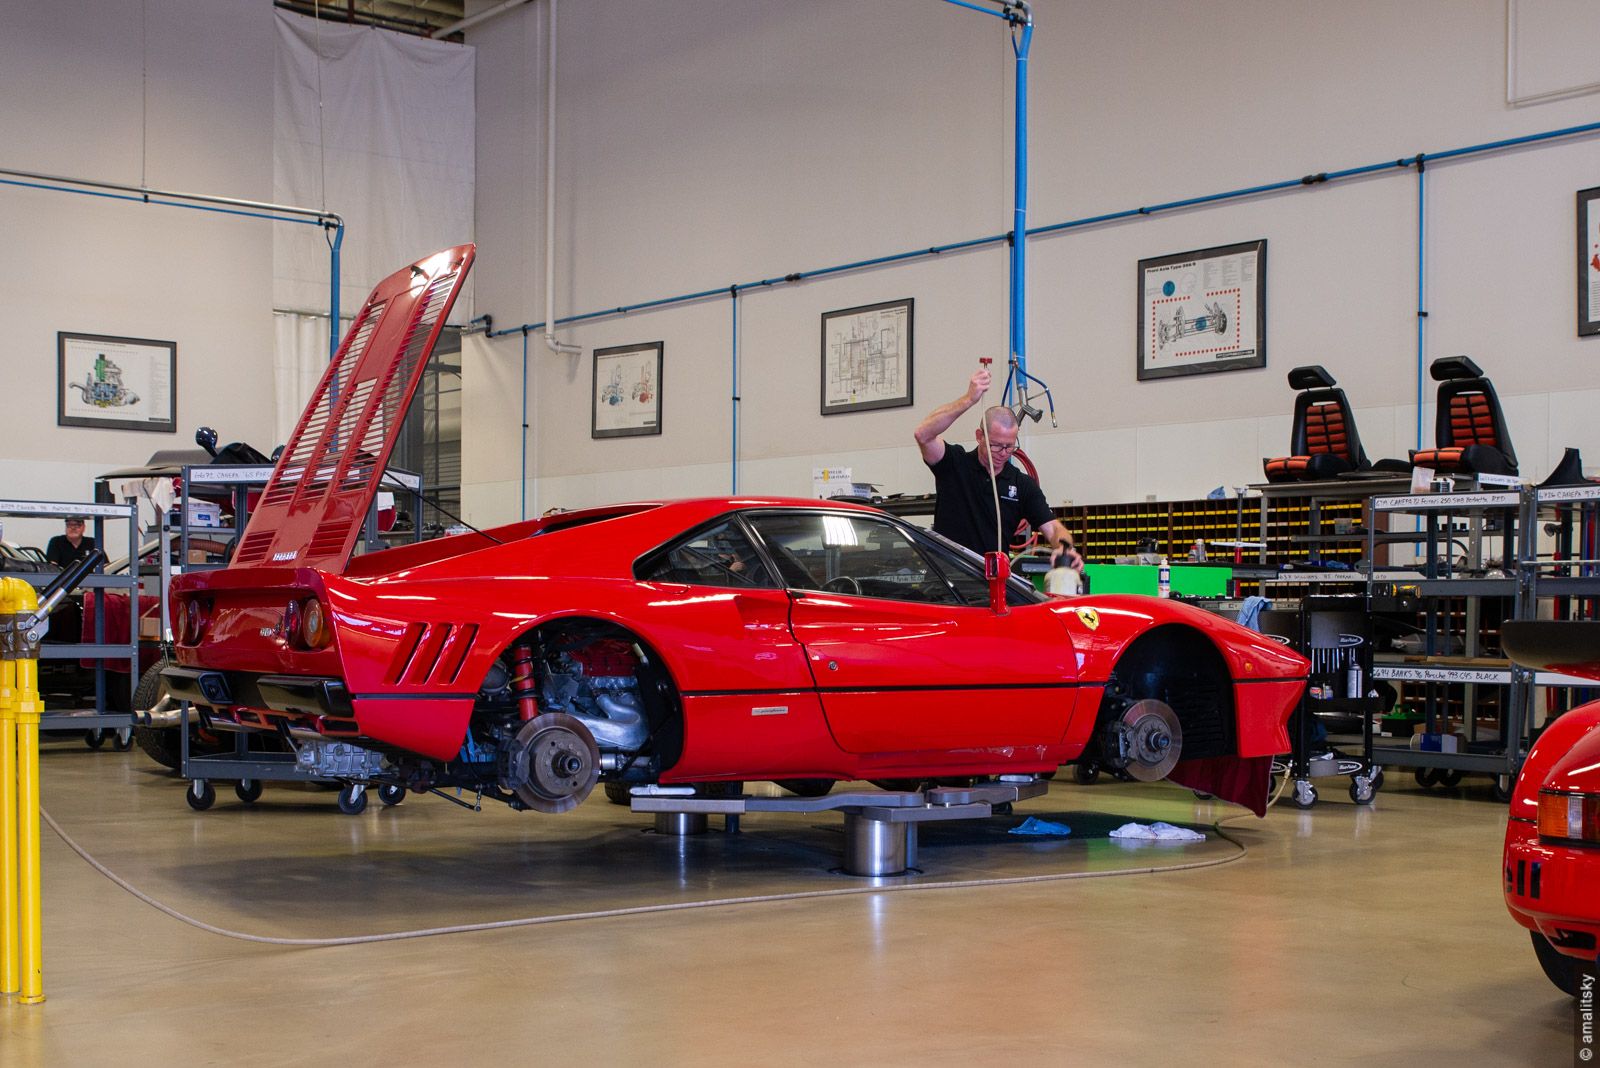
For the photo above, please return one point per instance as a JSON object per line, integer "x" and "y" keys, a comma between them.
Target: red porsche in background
{"x": 679, "y": 642}
{"x": 1551, "y": 867}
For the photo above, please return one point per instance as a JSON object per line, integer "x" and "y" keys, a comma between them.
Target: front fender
{"x": 1267, "y": 678}
{"x": 1101, "y": 627}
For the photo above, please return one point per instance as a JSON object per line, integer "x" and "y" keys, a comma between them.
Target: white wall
{"x": 707, "y": 142}
{"x": 71, "y": 76}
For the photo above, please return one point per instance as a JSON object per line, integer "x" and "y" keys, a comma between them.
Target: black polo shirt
{"x": 964, "y": 508}
{"x": 60, "y": 552}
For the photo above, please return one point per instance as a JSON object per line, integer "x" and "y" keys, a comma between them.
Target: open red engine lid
{"x": 312, "y": 509}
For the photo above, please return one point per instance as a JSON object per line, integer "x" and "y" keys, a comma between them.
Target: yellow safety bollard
{"x": 26, "y": 709}
{"x": 10, "y": 940}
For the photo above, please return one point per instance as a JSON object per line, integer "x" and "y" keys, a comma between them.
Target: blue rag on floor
{"x": 1035, "y": 825}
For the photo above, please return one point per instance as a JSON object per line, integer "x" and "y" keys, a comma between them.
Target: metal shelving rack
{"x": 1570, "y": 577}
{"x": 99, "y": 719}
{"x": 1441, "y": 580}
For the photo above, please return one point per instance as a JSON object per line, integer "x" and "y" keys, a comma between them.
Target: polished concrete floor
{"x": 1339, "y": 935}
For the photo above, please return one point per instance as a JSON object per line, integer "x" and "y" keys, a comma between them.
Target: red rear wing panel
{"x": 312, "y": 510}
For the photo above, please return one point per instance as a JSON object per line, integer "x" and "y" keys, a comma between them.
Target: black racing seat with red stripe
{"x": 1324, "y": 441}
{"x": 1470, "y": 435}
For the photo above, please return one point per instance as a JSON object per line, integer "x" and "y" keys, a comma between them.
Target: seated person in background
{"x": 67, "y": 549}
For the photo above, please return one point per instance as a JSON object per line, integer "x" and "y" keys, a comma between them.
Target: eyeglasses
{"x": 1002, "y": 449}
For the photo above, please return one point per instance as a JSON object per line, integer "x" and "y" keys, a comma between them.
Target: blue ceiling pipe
{"x": 733, "y": 451}
{"x": 1020, "y": 18}
{"x": 1306, "y": 182}
{"x": 524, "y": 479}
{"x": 1422, "y": 278}
{"x": 1284, "y": 185}
{"x": 333, "y": 273}
{"x": 251, "y": 209}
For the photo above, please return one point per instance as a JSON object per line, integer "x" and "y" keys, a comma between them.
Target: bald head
{"x": 1000, "y": 418}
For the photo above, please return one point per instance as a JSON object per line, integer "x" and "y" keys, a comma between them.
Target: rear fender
{"x": 1554, "y": 743}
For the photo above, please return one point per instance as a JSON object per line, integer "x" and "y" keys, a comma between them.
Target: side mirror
{"x": 997, "y": 570}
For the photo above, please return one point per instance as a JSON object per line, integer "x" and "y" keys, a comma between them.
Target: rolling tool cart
{"x": 1335, "y": 634}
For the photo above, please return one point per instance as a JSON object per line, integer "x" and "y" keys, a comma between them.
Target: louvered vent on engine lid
{"x": 313, "y": 508}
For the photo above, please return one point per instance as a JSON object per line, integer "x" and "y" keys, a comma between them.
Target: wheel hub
{"x": 552, "y": 763}
{"x": 1149, "y": 740}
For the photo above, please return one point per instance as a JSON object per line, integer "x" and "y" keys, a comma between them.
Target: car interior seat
{"x": 1324, "y": 442}
{"x": 1470, "y": 430}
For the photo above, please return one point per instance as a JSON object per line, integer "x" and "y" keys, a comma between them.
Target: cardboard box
{"x": 203, "y": 514}
{"x": 1424, "y": 742}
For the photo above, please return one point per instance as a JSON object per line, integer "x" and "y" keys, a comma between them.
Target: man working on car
{"x": 964, "y": 510}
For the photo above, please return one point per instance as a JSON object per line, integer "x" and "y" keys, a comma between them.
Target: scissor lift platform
{"x": 880, "y": 826}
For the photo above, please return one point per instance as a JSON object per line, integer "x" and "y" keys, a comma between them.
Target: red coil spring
{"x": 523, "y": 684}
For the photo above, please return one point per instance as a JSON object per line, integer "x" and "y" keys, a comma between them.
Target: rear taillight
{"x": 1572, "y": 817}
{"x": 192, "y": 623}
{"x": 316, "y": 632}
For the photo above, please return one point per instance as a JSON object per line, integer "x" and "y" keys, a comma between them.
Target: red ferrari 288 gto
{"x": 679, "y": 642}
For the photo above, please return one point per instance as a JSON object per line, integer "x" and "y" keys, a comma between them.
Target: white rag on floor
{"x": 1165, "y": 832}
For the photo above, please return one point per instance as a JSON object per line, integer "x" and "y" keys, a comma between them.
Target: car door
{"x": 905, "y": 652}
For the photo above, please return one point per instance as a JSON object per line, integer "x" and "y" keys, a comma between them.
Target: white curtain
{"x": 300, "y": 355}
{"x": 396, "y": 117}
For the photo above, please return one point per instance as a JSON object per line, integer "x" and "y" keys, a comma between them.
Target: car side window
{"x": 964, "y": 570}
{"x": 718, "y": 556}
{"x": 852, "y": 554}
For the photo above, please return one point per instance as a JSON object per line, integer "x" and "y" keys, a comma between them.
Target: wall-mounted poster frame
{"x": 1588, "y": 262}
{"x": 116, "y": 383}
{"x": 866, "y": 357}
{"x": 1203, "y": 311}
{"x": 627, "y": 391}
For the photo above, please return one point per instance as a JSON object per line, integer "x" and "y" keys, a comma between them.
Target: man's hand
{"x": 1070, "y": 555}
{"x": 978, "y": 385}
{"x": 940, "y": 419}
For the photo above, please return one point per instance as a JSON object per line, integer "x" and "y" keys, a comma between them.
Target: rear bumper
{"x": 303, "y": 695}
{"x": 430, "y": 724}
{"x": 1550, "y": 889}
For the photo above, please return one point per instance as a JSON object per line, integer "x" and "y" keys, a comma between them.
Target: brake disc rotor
{"x": 1152, "y": 738}
{"x": 553, "y": 763}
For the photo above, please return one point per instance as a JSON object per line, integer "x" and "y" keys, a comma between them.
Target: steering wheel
{"x": 842, "y": 584}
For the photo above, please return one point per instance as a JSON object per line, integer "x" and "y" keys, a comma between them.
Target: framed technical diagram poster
{"x": 627, "y": 391}
{"x": 866, "y": 357}
{"x": 116, "y": 383}
{"x": 1203, "y": 311}
{"x": 1588, "y": 262}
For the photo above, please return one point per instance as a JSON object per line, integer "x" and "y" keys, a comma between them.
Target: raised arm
{"x": 939, "y": 420}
